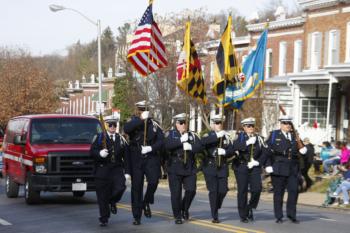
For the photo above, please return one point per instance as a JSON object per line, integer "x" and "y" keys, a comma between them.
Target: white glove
{"x": 127, "y": 176}
{"x": 220, "y": 134}
{"x": 103, "y": 153}
{"x": 251, "y": 141}
{"x": 303, "y": 150}
{"x": 184, "y": 138}
{"x": 252, "y": 164}
{"x": 144, "y": 115}
{"x": 269, "y": 169}
{"x": 187, "y": 146}
{"x": 145, "y": 149}
{"x": 221, "y": 151}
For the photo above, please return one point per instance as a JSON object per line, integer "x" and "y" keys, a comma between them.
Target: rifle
{"x": 300, "y": 143}
{"x": 104, "y": 132}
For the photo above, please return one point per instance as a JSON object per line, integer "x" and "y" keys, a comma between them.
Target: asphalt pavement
{"x": 61, "y": 212}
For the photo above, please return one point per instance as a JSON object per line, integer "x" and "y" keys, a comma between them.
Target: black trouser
{"x": 217, "y": 187}
{"x": 175, "y": 184}
{"x": 280, "y": 183}
{"x": 243, "y": 179}
{"x": 109, "y": 191}
{"x": 304, "y": 173}
{"x": 137, "y": 180}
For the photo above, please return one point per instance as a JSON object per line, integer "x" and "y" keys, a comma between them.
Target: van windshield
{"x": 64, "y": 130}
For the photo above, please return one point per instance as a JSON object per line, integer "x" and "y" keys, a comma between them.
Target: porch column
{"x": 329, "y": 108}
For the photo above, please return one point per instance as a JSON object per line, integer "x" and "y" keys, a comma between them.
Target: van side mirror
{"x": 19, "y": 140}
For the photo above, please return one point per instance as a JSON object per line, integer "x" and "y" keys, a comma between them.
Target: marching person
{"x": 283, "y": 164}
{"x": 247, "y": 168}
{"x": 218, "y": 148}
{"x": 144, "y": 159}
{"x": 110, "y": 153}
{"x": 182, "y": 146}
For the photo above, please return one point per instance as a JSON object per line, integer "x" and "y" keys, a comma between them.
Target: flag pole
{"x": 188, "y": 50}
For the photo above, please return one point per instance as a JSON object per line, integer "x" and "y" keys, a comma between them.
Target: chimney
{"x": 110, "y": 72}
{"x": 77, "y": 85}
{"x": 92, "y": 78}
{"x": 83, "y": 79}
{"x": 280, "y": 13}
{"x": 70, "y": 85}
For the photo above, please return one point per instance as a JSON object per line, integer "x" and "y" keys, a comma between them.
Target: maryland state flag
{"x": 227, "y": 68}
{"x": 189, "y": 70}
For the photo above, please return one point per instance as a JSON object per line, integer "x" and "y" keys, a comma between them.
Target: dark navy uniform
{"x": 109, "y": 172}
{"x": 181, "y": 173}
{"x": 248, "y": 177}
{"x": 283, "y": 158}
{"x": 143, "y": 164}
{"x": 216, "y": 176}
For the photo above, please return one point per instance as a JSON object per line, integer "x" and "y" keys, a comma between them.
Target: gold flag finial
{"x": 150, "y": 2}
{"x": 267, "y": 24}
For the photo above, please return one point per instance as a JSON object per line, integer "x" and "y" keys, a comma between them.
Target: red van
{"x": 49, "y": 153}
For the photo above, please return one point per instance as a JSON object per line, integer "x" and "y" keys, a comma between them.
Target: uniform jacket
{"x": 176, "y": 153}
{"x": 210, "y": 143}
{"x": 283, "y": 154}
{"x": 154, "y": 138}
{"x": 258, "y": 152}
{"x": 119, "y": 149}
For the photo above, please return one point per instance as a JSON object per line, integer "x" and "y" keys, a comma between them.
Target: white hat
{"x": 286, "y": 118}
{"x": 141, "y": 104}
{"x": 218, "y": 118}
{"x": 111, "y": 119}
{"x": 248, "y": 121}
{"x": 180, "y": 117}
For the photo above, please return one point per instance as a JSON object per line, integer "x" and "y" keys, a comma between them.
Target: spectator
{"x": 344, "y": 187}
{"x": 324, "y": 154}
{"x": 333, "y": 158}
{"x": 308, "y": 160}
{"x": 345, "y": 154}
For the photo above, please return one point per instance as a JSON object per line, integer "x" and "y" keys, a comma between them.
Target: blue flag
{"x": 253, "y": 69}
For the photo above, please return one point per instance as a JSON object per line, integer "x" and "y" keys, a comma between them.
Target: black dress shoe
{"x": 279, "y": 220}
{"x": 147, "y": 210}
{"x": 215, "y": 220}
{"x": 185, "y": 214}
{"x": 178, "y": 221}
{"x": 244, "y": 220}
{"x": 113, "y": 208}
{"x": 136, "y": 221}
{"x": 250, "y": 215}
{"x": 103, "y": 224}
{"x": 293, "y": 220}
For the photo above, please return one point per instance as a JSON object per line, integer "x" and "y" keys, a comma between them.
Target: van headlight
{"x": 40, "y": 165}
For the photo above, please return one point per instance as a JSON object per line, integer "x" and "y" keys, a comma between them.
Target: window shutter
{"x": 327, "y": 48}
{"x": 308, "y": 56}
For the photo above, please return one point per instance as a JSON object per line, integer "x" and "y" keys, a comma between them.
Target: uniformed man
{"x": 283, "y": 164}
{"x": 247, "y": 168}
{"x": 218, "y": 148}
{"x": 144, "y": 159}
{"x": 110, "y": 152}
{"x": 182, "y": 146}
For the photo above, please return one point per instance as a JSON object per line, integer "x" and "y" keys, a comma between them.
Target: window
{"x": 333, "y": 47}
{"x": 297, "y": 56}
{"x": 316, "y": 110}
{"x": 316, "y": 45}
{"x": 282, "y": 58}
{"x": 268, "y": 64}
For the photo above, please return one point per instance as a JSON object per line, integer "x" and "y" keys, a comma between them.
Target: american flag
{"x": 147, "y": 51}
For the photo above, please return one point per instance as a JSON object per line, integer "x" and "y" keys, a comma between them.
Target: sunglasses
{"x": 249, "y": 126}
{"x": 110, "y": 125}
{"x": 217, "y": 123}
{"x": 286, "y": 122}
{"x": 181, "y": 122}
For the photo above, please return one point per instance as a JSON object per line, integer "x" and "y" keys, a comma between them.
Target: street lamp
{"x": 55, "y": 8}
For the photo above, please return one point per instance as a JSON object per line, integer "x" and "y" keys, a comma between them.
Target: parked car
{"x": 49, "y": 153}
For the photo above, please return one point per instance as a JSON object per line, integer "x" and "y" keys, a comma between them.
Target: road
{"x": 63, "y": 213}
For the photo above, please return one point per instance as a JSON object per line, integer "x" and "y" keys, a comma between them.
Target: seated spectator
{"x": 333, "y": 158}
{"x": 324, "y": 154}
{"x": 344, "y": 187}
{"x": 345, "y": 154}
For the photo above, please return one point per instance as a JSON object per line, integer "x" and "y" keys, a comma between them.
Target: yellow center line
{"x": 204, "y": 223}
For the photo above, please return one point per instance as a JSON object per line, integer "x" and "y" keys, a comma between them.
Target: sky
{"x": 31, "y": 25}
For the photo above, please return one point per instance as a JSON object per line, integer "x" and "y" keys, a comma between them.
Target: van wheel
{"x": 78, "y": 193}
{"x": 30, "y": 195}
{"x": 12, "y": 188}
